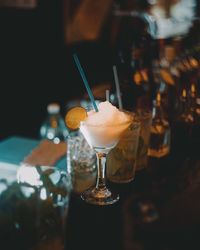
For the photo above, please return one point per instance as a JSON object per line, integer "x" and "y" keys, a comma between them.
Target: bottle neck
{"x": 185, "y": 106}
{"x": 157, "y": 113}
{"x": 186, "y": 114}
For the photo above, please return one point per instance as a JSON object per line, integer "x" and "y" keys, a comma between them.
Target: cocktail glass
{"x": 102, "y": 138}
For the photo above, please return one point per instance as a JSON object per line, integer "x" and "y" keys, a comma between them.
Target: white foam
{"x": 103, "y": 128}
{"x": 107, "y": 115}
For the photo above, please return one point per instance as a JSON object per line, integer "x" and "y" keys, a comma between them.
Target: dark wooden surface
{"x": 159, "y": 210}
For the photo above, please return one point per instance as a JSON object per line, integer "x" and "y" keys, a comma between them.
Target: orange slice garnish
{"x": 74, "y": 116}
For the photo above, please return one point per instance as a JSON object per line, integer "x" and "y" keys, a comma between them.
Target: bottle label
{"x": 28, "y": 4}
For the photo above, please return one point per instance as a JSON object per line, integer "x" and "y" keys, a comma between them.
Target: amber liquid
{"x": 159, "y": 144}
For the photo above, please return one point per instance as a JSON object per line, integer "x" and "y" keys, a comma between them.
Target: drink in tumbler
{"x": 81, "y": 162}
{"x": 120, "y": 165}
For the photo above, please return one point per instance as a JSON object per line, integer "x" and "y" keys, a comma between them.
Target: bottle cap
{"x": 53, "y": 108}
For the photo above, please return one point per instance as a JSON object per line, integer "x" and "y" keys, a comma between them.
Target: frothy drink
{"x": 103, "y": 128}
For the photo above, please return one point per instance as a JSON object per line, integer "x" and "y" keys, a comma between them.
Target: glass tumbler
{"x": 81, "y": 162}
{"x": 121, "y": 160}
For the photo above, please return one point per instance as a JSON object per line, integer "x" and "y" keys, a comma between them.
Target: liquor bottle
{"x": 195, "y": 134}
{"x": 133, "y": 46}
{"x": 182, "y": 128}
{"x": 167, "y": 77}
{"x": 192, "y": 98}
{"x": 141, "y": 80}
{"x": 53, "y": 128}
{"x": 160, "y": 134}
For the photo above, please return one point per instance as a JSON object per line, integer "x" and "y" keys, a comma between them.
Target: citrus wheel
{"x": 74, "y": 116}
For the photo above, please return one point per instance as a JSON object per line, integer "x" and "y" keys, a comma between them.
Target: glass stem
{"x": 101, "y": 164}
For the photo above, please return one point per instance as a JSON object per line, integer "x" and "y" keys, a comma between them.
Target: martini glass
{"x": 102, "y": 138}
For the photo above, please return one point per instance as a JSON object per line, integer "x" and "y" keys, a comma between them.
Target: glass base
{"x": 121, "y": 181}
{"x": 99, "y": 196}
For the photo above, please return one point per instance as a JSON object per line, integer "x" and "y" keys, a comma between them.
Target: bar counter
{"x": 158, "y": 210}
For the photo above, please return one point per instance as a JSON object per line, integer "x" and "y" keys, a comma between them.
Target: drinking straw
{"x": 117, "y": 87}
{"x": 107, "y": 95}
{"x": 85, "y": 82}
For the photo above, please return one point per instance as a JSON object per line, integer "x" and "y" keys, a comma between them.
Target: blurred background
{"x": 39, "y": 37}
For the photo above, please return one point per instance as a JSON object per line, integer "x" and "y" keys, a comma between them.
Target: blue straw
{"x": 85, "y": 82}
